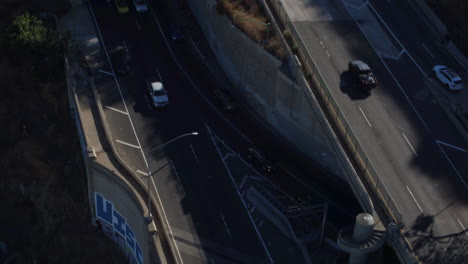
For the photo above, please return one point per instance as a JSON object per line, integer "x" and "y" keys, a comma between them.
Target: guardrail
{"x": 336, "y": 117}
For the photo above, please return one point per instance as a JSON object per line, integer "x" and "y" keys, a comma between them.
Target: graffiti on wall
{"x": 117, "y": 228}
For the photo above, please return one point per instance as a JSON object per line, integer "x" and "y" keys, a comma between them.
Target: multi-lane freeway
{"x": 205, "y": 215}
{"x": 415, "y": 149}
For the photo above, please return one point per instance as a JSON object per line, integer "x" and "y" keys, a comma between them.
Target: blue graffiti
{"x": 105, "y": 211}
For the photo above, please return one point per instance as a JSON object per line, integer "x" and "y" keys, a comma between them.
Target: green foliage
{"x": 28, "y": 31}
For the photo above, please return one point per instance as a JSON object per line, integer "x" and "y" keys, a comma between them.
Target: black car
{"x": 121, "y": 59}
{"x": 259, "y": 159}
{"x": 175, "y": 31}
{"x": 225, "y": 99}
{"x": 362, "y": 74}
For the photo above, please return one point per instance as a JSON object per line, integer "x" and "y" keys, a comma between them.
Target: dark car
{"x": 121, "y": 59}
{"x": 362, "y": 74}
{"x": 175, "y": 31}
{"x": 225, "y": 99}
{"x": 259, "y": 159}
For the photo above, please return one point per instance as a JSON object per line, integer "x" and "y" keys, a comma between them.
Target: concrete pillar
{"x": 363, "y": 229}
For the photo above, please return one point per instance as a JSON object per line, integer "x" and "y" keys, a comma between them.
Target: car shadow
{"x": 348, "y": 86}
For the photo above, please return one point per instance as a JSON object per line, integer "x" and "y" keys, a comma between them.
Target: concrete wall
{"x": 267, "y": 86}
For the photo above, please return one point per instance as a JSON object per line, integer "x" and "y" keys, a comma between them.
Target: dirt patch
{"x": 45, "y": 211}
{"x": 249, "y": 16}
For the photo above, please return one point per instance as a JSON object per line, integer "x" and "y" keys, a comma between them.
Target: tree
{"x": 28, "y": 31}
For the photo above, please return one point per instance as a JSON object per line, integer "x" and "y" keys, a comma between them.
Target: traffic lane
{"x": 182, "y": 96}
{"x": 168, "y": 123}
{"x": 421, "y": 43}
{"x": 431, "y": 113}
{"x": 187, "y": 63}
{"x": 208, "y": 206}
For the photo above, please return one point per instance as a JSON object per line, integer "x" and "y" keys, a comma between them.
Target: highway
{"x": 418, "y": 154}
{"x": 206, "y": 216}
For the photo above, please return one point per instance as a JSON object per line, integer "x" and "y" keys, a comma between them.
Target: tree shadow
{"x": 450, "y": 248}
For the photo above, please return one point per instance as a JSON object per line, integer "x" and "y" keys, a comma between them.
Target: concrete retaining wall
{"x": 266, "y": 85}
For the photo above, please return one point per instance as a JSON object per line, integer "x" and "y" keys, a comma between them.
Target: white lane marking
{"x": 167, "y": 222}
{"x": 142, "y": 172}
{"x": 211, "y": 260}
{"x": 427, "y": 49}
{"x": 453, "y": 167}
{"x": 125, "y": 45}
{"x": 357, "y": 7}
{"x": 150, "y": 107}
{"x": 127, "y": 144}
{"x": 196, "y": 48}
{"x": 106, "y": 72}
{"x": 414, "y": 198}
{"x": 391, "y": 32}
{"x": 466, "y": 233}
{"x": 179, "y": 183}
{"x": 138, "y": 25}
{"x": 365, "y": 117}
{"x": 411, "y": 146}
{"x": 194, "y": 154}
{"x": 225, "y": 224}
{"x": 134, "y": 131}
{"x": 193, "y": 83}
{"x": 241, "y": 198}
{"x": 160, "y": 78}
{"x": 452, "y": 146}
{"x": 116, "y": 110}
{"x": 393, "y": 76}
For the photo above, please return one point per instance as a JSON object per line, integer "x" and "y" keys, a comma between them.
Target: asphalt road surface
{"x": 418, "y": 154}
{"x": 201, "y": 206}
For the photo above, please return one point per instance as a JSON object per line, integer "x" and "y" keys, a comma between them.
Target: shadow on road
{"x": 348, "y": 86}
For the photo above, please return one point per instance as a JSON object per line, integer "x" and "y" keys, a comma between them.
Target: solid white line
{"x": 167, "y": 221}
{"x": 196, "y": 48}
{"x": 211, "y": 259}
{"x": 134, "y": 131}
{"x": 391, "y": 32}
{"x": 160, "y": 78}
{"x": 428, "y": 51}
{"x": 240, "y": 196}
{"x": 453, "y": 167}
{"x": 393, "y": 77}
{"x": 193, "y": 83}
{"x": 125, "y": 45}
{"x": 142, "y": 172}
{"x": 452, "y": 146}
{"x": 179, "y": 183}
{"x": 365, "y": 117}
{"x": 414, "y": 198}
{"x": 466, "y": 233}
{"x": 106, "y": 72}
{"x": 194, "y": 154}
{"x": 411, "y": 146}
{"x": 138, "y": 25}
{"x": 127, "y": 144}
{"x": 117, "y": 110}
{"x": 225, "y": 224}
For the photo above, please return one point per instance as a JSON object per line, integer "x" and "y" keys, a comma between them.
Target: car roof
{"x": 156, "y": 86}
{"x": 453, "y": 75}
{"x": 361, "y": 65}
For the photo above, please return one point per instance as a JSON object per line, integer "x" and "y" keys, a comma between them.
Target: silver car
{"x": 140, "y": 6}
{"x": 448, "y": 77}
